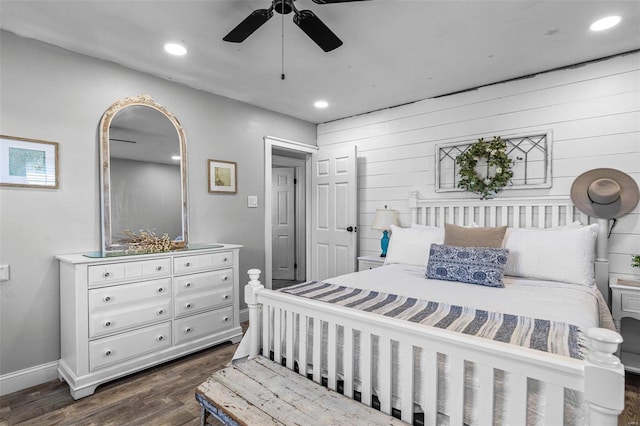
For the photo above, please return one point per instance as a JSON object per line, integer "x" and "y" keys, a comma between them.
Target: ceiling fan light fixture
{"x": 605, "y": 23}
{"x": 321, "y": 104}
{"x": 175, "y": 49}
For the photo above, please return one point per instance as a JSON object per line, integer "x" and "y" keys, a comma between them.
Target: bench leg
{"x": 203, "y": 416}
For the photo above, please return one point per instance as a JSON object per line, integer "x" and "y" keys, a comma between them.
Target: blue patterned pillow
{"x": 474, "y": 265}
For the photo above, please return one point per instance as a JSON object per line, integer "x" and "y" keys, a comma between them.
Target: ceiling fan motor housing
{"x": 283, "y": 7}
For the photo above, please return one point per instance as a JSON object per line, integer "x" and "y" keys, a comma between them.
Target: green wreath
{"x": 495, "y": 152}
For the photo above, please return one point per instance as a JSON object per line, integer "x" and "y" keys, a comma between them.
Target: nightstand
{"x": 625, "y": 303}
{"x": 369, "y": 262}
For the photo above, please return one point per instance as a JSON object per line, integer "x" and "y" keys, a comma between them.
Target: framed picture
{"x": 223, "y": 176}
{"x": 28, "y": 162}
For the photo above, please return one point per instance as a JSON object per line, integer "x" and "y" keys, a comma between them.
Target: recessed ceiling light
{"x": 321, "y": 104}
{"x": 175, "y": 49}
{"x": 175, "y": 157}
{"x": 605, "y": 23}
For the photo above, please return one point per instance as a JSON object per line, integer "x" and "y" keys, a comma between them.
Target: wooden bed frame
{"x": 277, "y": 318}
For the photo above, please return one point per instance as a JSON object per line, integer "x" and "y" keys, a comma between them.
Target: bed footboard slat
{"x": 485, "y": 394}
{"x": 332, "y": 356}
{"x": 405, "y": 364}
{"x": 302, "y": 344}
{"x": 384, "y": 374}
{"x": 316, "y": 359}
{"x": 517, "y": 398}
{"x": 277, "y": 335}
{"x": 266, "y": 324}
{"x": 290, "y": 333}
{"x": 430, "y": 388}
{"x": 365, "y": 367}
{"x": 553, "y": 404}
{"x": 347, "y": 363}
{"x": 456, "y": 391}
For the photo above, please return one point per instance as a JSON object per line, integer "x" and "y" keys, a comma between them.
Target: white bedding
{"x": 569, "y": 303}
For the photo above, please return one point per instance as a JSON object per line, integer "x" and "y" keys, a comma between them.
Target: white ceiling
{"x": 394, "y": 52}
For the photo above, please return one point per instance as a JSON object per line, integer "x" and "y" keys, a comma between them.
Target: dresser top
{"x": 96, "y": 257}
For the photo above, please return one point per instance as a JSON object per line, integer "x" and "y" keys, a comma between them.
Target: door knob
{"x": 352, "y": 229}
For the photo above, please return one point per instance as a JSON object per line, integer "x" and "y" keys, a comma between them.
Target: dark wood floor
{"x": 162, "y": 395}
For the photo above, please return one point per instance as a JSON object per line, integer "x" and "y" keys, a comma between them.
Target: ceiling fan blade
{"x": 334, "y": 1}
{"x": 249, "y": 25}
{"x": 317, "y": 30}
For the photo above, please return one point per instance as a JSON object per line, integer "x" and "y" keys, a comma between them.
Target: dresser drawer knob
{"x": 106, "y": 274}
{"x": 187, "y": 285}
{"x": 107, "y": 323}
{"x": 225, "y": 260}
{"x": 160, "y": 311}
{"x": 160, "y": 289}
{"x": 225, "y": 319}
{"x": 225, "y": 297}
{"x": 187, "y": 330}
{"x": 188, "y": 306}
{"x": 225, "y": 278}
{"x": 158, "y": 268}
{"x": 107, "y": 352}
{"x": 187, "y": 264}
{"x": 160, "y": 338}
{"x": 107, "y": 298}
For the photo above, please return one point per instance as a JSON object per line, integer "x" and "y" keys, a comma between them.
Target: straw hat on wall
{"x": 605, "y": 193}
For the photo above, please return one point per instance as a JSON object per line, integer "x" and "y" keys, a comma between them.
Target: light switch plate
{"x": 252, "y": 201}
{"x": 4, "y": 272}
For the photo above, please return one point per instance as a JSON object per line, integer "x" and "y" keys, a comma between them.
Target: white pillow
{"x": 411, "y": 245}
{"x": 565, "y": 255}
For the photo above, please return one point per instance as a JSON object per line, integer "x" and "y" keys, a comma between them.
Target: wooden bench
{"x": 262, "y": 392}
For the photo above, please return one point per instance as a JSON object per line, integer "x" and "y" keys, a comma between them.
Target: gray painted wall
{"x": 55, "y": 95}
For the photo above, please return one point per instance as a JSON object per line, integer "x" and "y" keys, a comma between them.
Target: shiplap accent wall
{"x": 592, "y": 111}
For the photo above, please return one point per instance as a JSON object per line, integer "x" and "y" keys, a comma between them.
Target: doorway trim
{"x": 297, "y": 147}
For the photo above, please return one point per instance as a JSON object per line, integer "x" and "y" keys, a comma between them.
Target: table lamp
{"x": 383, "y": 221}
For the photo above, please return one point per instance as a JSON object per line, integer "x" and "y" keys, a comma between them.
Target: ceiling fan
{"x": 305, "y": 19}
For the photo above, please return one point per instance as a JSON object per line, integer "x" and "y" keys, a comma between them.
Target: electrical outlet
{"x": 252, "y": 201}
{"x": 4, "y": 272}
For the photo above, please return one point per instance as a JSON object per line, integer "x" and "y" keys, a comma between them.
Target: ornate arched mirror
{"x": 143, "y": 177}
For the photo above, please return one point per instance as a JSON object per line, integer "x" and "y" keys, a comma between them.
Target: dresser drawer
{"x": 102, "y": 322}
{"x": 200, "y": 325}
{"x": 203, "y": 282}
{"x": 114, "y": 349}
{"x": 194, "y": 263}
{"x": 196, "y": 302}
{"x": 112, "y": 297}
{"x": 127, "y": 271}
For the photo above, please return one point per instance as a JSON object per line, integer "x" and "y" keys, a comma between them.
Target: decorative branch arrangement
{"x": 147, "y": 241}
{"x": 495, "y": 152}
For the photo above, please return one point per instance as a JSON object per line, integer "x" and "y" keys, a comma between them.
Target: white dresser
{"x": 119, "y": 315}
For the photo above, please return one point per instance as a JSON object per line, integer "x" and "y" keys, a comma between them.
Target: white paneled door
{"x": 334, "y": 212}
{"x": 283, "y": 225}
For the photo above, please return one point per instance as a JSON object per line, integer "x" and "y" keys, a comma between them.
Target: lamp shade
{"x": 384, "y": 219}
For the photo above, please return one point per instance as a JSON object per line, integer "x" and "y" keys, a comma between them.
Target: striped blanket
{"x": 544, "y": 335}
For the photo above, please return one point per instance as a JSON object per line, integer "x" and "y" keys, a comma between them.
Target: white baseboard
{"x": 28, "y": 377}
{"x": 244, "y": 315}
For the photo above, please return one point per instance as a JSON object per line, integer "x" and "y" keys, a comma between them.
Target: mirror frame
{"x": 108, "y": 246}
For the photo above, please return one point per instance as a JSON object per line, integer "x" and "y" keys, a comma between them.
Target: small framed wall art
{"x": 223, "y": 176}
{"x": 28, "y": 163}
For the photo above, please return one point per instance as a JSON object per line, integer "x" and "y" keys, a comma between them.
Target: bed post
{"x": 604, "y": 377}
{"x": 254, "y": 311}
